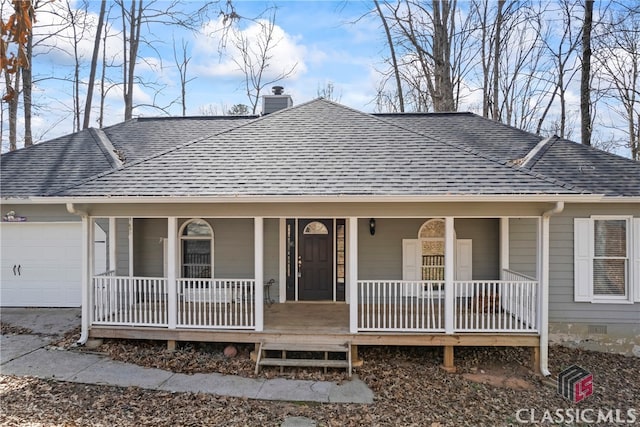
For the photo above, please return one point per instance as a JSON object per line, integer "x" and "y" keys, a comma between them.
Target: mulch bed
{"x": 410, "y": 389}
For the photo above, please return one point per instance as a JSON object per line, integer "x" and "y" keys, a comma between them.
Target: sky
{"x": 328, "y": 42}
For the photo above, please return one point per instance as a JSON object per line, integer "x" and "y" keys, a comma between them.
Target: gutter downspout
{"x": 84, "y": 335}
{"x": 544, "y": 297}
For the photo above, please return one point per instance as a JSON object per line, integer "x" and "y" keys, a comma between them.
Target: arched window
{"x": 431, "y": 236}
{"x": 316, "y": 227}
{"x": 196, "y": 244}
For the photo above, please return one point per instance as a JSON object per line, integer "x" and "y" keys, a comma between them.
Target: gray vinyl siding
{"x": 562, "y": 308}
{"x": 42, "y": 213}
{"x": 148, "y": 248}
{"x": 523, "y": 244}
{"x": 233, "y": 248}
{"x": 380, "y": 255}
{"x": 485, "y": 234}
{"x": 122, "y": 247}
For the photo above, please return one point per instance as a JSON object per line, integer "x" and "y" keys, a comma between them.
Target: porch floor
{"x": 312, "y": 318}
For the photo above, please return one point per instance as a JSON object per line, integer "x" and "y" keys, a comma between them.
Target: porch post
{"x": 172, "y": 256}
{"x": 504, "y": 245}
{"x": 113, "y": 244}
{"x": 258, "y": 227}
{"x": 87, "y": 282}
{"x": 449, "y": 254}
{"x": 282, "y": 272}
{"x": 543, "y": 289}
{"x": 352, "y": 260}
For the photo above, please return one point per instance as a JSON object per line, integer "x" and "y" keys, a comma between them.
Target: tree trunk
{"x": 26, "y": 93}
{"x": 394, "y": 60}
{"x": 94, "y": 64}
{"x": 14, "y": 88}
{"x": 443, "y": 96}
{"x": 496, "y": 62}
{"x": 585, "y": 96}
{"x": 135, "y": 22}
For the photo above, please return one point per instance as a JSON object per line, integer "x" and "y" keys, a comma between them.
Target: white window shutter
{"x": 464, "y": 259}
{"x": 635, "y": 264}
{"x": 582, "y": 249}
{"x": 410, "y": 266}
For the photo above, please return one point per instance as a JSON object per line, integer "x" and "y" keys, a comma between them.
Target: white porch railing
{"x": 216, "y": 303}
{"x": 201, "y": 303}
{"x": 496, "y": 306}
{"x": 411, "y": 306}
{"x": 132, "y": 301}
{"x": 419, "y": 306}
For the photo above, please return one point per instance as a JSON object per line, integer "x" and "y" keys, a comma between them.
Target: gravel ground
{"x": 491, "y": 386}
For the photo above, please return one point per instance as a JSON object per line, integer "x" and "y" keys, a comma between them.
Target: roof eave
{"x": 521, "y": 198}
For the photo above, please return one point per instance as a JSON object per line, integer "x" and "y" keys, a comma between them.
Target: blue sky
{"x": 320, "y": 36}
{"x": 324, "y": 42}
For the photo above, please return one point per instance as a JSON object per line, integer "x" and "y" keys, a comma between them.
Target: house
{"x": 318, "y": 223}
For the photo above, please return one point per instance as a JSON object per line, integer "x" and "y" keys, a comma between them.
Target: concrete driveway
{"x": 46, "y": 325}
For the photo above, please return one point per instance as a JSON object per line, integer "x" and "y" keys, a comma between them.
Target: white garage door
{"x": 41, "y": 264}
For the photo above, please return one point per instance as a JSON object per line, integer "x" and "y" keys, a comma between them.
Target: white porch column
{"x": 504, "y": 244}
{"x": 172, "y": 256}
{"x": 113, "y": 244}
{"x": 543, "y": 289}
{"x": 282, "y": 274}
{"x": 130, "y": 237}
{"x": 86, "y": 279}
{"x": 352, "y": 262}
{"x": 258, "y": 232}
{"x": 449, "y": 254}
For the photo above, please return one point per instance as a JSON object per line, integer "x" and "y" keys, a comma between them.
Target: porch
{"x": 449, "y": 307}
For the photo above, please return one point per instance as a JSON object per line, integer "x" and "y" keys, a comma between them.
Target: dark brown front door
{"x": 315, "y": 260}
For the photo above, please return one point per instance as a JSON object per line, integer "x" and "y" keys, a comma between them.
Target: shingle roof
{"x": 53, "y": 165}
{"x": 59, "y": 163}
{"x": 469, "y": 130}
{"x": 588, "y": 168}
{"x": 143, "y": 137}
{"x": 317, "y": 148}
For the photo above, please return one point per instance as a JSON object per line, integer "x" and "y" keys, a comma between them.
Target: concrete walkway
{"x": 32, "y": 355}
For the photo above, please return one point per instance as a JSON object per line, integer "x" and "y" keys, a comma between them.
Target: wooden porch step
{"x": 283, "y": 361}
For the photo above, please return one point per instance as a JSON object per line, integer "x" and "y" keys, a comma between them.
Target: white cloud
{"x": 285, "y": 50}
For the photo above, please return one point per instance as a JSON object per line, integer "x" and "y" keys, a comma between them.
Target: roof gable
{"x": 53, "y": 165}
{"x": 588, "y": 168}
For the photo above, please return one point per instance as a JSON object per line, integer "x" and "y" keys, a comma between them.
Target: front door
{"x": 315, "y": 260}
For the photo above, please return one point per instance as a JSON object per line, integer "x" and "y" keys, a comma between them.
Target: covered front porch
{"x": 439, "y": 296}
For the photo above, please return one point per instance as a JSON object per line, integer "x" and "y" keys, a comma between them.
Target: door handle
{"x": 299, "y": 265}
{"x": 14, "y": 270}
{"x": 19, "y": 268}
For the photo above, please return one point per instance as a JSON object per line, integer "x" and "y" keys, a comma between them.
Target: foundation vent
{"x": 597, "y": 329}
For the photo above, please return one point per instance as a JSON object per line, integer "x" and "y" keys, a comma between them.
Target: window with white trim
{"x": 606, "y": 260}
{"x": 196, "y": 246}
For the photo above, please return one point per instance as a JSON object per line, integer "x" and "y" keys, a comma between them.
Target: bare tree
{"x": 618, "y": 58}
{"x": 94, "y": 65}
{"x": 182, "y": 61}
{"x": 561, "y": 56}
{"x": 394, "y": 60}
{"x": 585, "y": 78}
{"x": 256, "y": 59}
{"x": 328, "y": 92}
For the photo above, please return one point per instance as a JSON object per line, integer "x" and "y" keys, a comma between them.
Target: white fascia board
{"x": 517, "y": 198}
